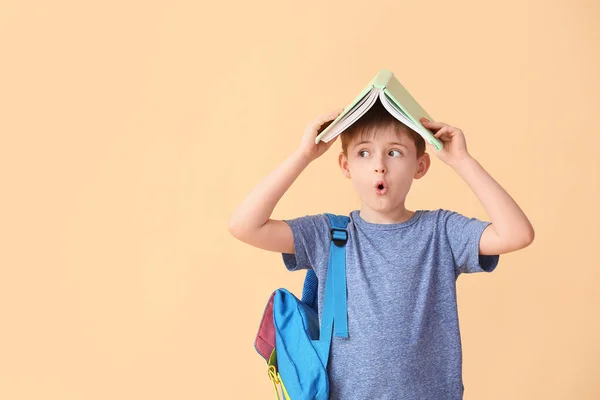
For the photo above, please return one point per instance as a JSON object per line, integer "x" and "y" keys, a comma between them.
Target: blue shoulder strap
{"x": 335, "y": 302}
{"x": 337, "y": 263}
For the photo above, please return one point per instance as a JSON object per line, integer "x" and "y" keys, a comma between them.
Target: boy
{"x": 401, "y": 266}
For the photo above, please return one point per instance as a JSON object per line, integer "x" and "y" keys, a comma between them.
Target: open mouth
{"x": 380, "y": 187}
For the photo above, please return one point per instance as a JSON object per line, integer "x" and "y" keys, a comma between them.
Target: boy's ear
{"x": 423, "y": 166}
{"x": 343, "y": 162}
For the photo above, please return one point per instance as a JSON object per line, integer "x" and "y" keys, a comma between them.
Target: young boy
{"x": 401, "y": 266}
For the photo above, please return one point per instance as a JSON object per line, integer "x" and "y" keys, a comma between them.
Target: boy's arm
{"x": 251, "y": 222}
{"x": 510, "y": 229}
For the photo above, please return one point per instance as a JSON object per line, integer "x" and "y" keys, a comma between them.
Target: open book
{"x": 394, "y": 97}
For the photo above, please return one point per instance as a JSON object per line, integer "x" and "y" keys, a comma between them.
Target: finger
{"x": 328, "y": 117}
{"x": 444, "y": 132}
{"x": 447, "y": 129}
{"x": 317, "y": 123}
{"x": 321, "y": 120}
{"x": 334, "y": 114}
{"x": 432, "y": 124}
{"x": 433, "y": 129}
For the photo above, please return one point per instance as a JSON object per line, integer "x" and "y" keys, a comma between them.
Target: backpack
{"x": 289, "y": 338}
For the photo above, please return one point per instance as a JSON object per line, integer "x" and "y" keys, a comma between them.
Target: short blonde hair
{"x": 375, "y": 119}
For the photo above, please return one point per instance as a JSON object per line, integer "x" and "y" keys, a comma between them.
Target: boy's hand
{"x": 308, "y": 148}
{"x": 455, "y": 145}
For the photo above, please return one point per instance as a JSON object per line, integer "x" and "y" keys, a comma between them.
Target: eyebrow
{"x": 368, "y": 141}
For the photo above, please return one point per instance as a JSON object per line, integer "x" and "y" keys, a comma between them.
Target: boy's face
{"x": 389, "y": 158}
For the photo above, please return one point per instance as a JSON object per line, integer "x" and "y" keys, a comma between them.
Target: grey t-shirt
{"x": 403, "y": 331}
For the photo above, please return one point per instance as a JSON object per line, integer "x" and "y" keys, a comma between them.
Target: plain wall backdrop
{"x": 130, "y": 131}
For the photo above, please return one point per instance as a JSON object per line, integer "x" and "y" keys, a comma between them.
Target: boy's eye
{"x": 366, "y": 151}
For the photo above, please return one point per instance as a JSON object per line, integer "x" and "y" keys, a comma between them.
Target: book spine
{"x": 382, "y": 79}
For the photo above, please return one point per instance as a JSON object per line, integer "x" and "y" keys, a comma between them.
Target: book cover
{"x": 394, "y": 97}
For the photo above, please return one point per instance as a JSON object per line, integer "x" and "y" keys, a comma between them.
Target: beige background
{"x": 130, "y": 131}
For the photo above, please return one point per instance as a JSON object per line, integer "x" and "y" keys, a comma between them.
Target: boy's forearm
{"x": 507, "y": 217}
{"x": 257, "y": 207}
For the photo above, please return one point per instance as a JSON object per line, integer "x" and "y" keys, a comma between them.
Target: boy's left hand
{"x": 455, "y": 145}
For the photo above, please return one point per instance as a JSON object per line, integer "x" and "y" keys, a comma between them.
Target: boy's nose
{"x": 380, "y": 169}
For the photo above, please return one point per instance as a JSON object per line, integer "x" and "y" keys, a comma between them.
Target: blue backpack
{"x": 289, "y": 338}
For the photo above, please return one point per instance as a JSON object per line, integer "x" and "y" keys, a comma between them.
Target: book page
{"x": 396, "y": 111}
{"x": 359, "y": 109}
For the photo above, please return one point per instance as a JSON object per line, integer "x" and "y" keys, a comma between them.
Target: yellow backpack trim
{"x": 275, "y": 377}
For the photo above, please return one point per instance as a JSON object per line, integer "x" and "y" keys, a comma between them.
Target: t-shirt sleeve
{"x": 463, "y": 234}
{"x": 311, "y": 241}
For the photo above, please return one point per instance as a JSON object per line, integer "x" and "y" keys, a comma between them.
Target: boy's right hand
{"x": 308, "y": 148}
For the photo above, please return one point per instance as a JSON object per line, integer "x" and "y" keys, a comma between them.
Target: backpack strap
{"x": 311, "y": 283}
{"x": 334, "y": 303}
{"x": 337, "y": 262}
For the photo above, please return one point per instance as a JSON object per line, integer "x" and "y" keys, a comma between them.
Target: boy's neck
{"x": 392, "y": 217}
